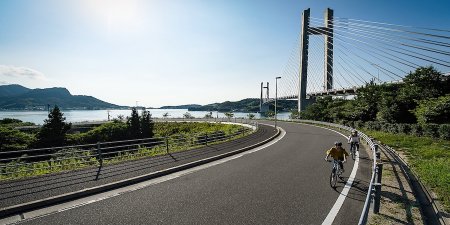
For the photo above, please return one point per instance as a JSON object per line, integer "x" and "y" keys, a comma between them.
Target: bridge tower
{"x": 306, "y": 30}
{"x": 263, "y": 107}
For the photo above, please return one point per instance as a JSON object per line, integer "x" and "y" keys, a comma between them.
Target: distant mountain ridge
{"x": 244, "y": 105}
{"x": 15, "y": 96}
{"x": 180, "y": 106}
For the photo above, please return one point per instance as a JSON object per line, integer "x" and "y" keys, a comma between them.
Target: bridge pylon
{"x": 306, "y": 30}
{"x": 263, "y": 107}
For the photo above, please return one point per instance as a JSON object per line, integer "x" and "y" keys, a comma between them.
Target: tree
{"x": 435, "y": 110}
{"x": 295, "y": 114}
{"x": 134, "y": 126}
{"x": 270, "y": 114}
{"x": 187, "y": 115}
{"x": 12, "y": 139}
{"x": 424, "y": 83}
{"x": 367, "y": 100}
{"x": 229, "y": 115}
{"x": 53, "y": 132}
{"x": 251, "y": 116}
{"x": 208, "y": 115}
{"x": 318, "y": 110}
{"x": 146, "y": 124}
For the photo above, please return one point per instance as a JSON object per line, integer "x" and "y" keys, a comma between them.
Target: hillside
{"x": 181, "y": 106}
{"x": 245, "y": 105}
{"x": 17, "y": 97}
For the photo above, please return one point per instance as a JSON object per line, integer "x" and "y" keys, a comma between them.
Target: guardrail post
{"x": 99, "y": 154}
{"x": 206, "y": 139}
{"x": 243, "y": 131}
{"x": 379, "y": 172}
{"x": 167, "y": 144}
{"x": 377, "y": 198}
{"x": 377, "y": 153}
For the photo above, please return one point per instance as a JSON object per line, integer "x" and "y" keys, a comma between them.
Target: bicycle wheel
{"x": 352, "y": 151}
{"x": 333, "y": 178}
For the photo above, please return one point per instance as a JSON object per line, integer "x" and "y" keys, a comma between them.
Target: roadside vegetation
{"x": 141, "y": 136}
{"x": 413, "y": 117}
{"x": 428, "y": 157}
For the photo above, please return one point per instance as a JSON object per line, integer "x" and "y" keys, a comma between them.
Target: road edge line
{"x": 29, "y": 206}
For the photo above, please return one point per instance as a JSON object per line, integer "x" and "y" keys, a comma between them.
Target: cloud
{"x": 3, "y": 82}
{"x": 20, "y": 72}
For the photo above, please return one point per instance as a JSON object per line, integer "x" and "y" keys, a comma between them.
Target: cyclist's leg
{"x": 357, "y": 146}
{"x": 341, "y": 165}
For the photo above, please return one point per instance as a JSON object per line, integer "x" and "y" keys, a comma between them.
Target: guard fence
{"x": 31, "y": 162}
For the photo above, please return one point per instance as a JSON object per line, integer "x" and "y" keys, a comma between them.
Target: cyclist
{"x": 338, "y": 153}
{"x": 353, "y": 140}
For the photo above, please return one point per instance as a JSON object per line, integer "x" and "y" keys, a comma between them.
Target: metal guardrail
{"x": 374, "y": 190}
{"x": 23, "y": 163}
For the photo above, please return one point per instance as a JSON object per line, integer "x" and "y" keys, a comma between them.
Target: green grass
{"x": 21, "y": 169}
{"x": 428, "y": 157}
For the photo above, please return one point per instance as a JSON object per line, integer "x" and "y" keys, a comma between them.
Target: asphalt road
{"x": 285, "y": 183}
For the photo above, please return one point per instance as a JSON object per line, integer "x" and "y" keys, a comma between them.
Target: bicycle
{"x": 336, "y": 172}
{"x": 354, "y": 146}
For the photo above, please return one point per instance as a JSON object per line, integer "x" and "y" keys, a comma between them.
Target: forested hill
{"x": 17, "y": 97}
{"x": 245, "y": 105}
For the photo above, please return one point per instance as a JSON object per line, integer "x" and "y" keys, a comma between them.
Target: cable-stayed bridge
{"x": 337, "y": 56}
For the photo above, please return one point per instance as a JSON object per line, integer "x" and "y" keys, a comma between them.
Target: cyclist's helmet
{"x": 354, "y": 132}
{"x": 337, "y": 143}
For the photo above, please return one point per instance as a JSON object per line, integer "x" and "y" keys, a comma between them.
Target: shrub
{"x": 416, "y": 130}
{"x": 358, "y": 124}
{"x": 444, "y": 131}
{"x": 373, "y": 125}
{"x": 351, "y": 124}
{"x": 392, "y": 128}
{"x": 404, "y": 128}
{"x": 385, "y": 127}
{"x": 430, "y": 130}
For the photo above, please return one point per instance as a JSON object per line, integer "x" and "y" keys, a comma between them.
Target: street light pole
{"x": 276, "y": 96}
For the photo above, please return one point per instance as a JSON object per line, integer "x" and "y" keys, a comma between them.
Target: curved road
{"x": 285, "y": 183}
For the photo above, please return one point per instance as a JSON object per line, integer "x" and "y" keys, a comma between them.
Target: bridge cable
{"x": 391, "y": 49}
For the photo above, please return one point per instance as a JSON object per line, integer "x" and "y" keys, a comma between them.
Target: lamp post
{"x": 276, "y": 96}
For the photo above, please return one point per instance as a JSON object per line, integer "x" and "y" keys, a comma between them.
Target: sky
{"x": 171, "y": 52}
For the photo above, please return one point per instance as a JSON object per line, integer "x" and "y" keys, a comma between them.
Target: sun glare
{"x": 117, "y": 15}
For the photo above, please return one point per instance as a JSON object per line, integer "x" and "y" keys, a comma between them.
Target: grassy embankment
{"x": 72, "y": 158}
{"x": 428, "y": 157}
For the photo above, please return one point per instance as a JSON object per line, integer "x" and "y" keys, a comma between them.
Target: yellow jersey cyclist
{"x": 338, "y": 153}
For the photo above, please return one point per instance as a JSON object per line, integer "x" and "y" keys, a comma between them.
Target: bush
{"x": 434, "y": 110}
{"x": 358, "y": 124}
{"x": 404, "y": 128}
{"x": 444, "y": 131}
{"x": 431, "y": 130}
{"x": 416, "y": 130}
{"x": 385, "y": 127}
{"x": 351, "y": 124}
{"x": 373, "y": 125}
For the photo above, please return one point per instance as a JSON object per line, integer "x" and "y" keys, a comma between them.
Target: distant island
{"x": 250, "y": 105}
{"x": 17, "y": 97}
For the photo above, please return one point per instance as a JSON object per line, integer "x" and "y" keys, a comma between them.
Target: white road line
{"x": 39, "y": 213}
{"x": 340, "y": 201}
